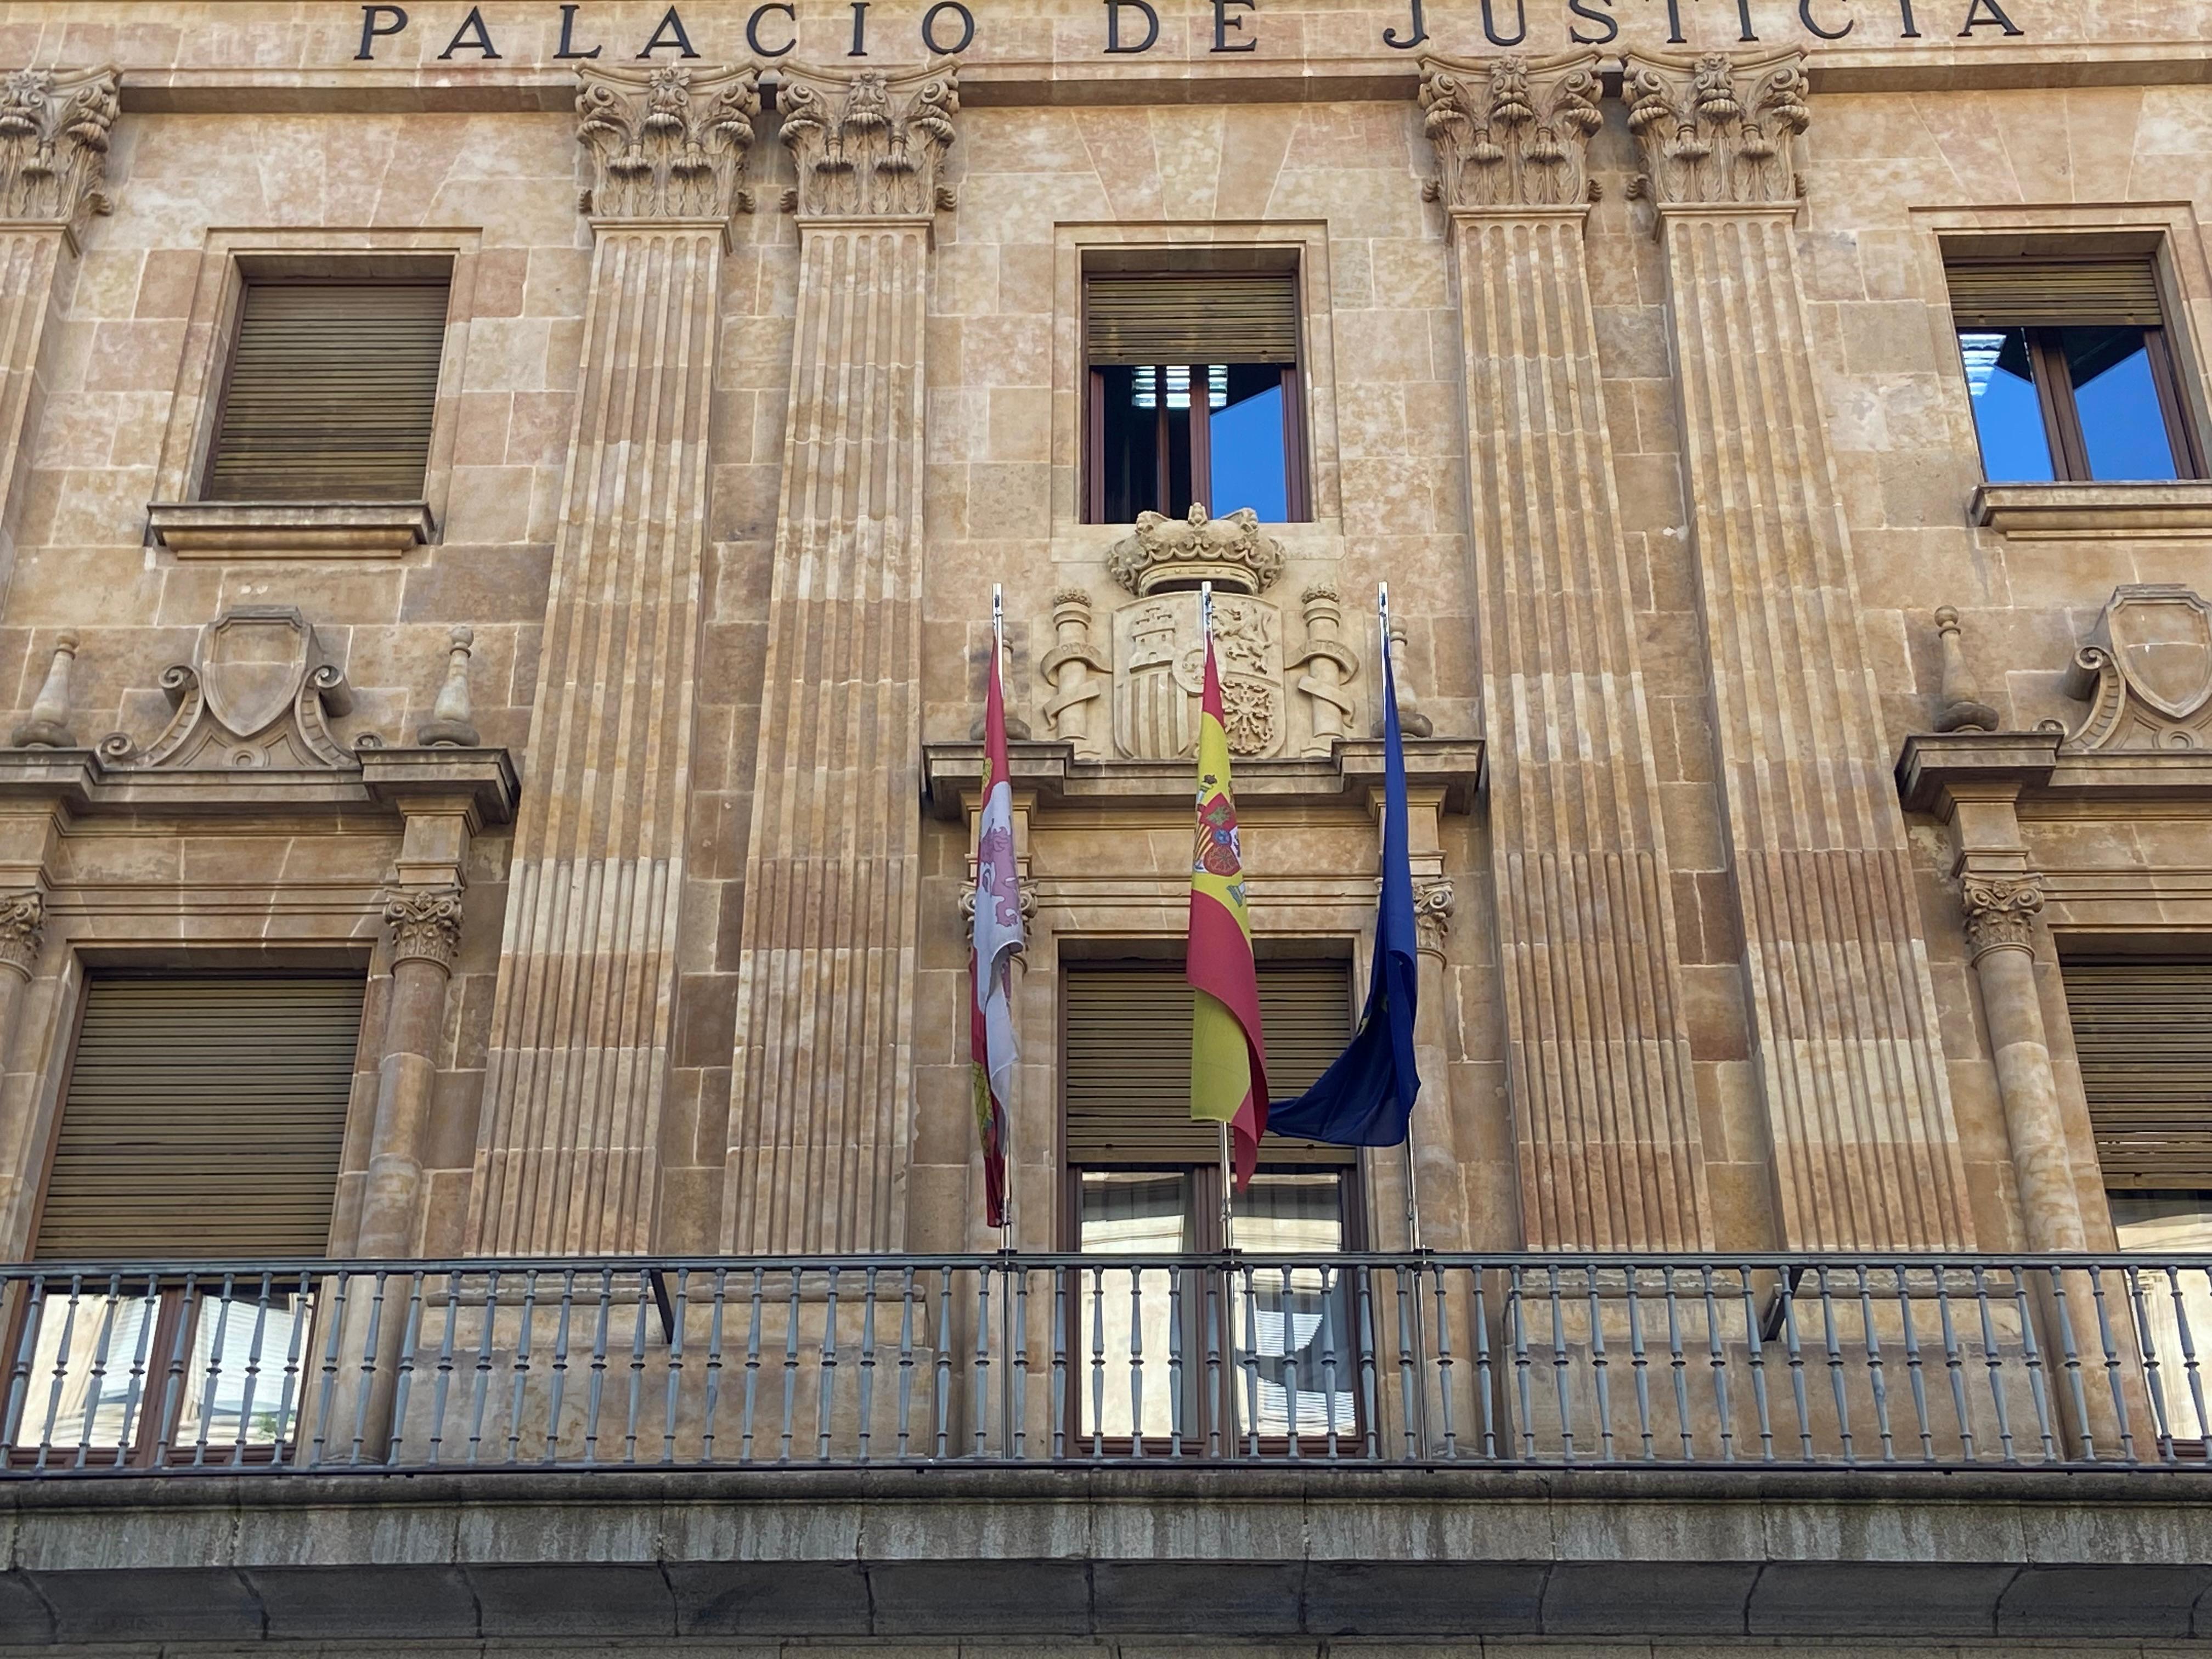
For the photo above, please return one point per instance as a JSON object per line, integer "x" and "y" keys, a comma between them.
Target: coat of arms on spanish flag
{"x": 1228, "y": 1055}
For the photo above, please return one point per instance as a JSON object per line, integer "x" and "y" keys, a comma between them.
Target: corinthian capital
{"x": 425, "y": 923}
{"x": 1510, "y": 131}
{"x": 1715, "y": 129}
{"x": 22, "y": 930}
{"x": 1999, "y": 913}
{"x": 53, "y": 143}
{"x": 667, "y": 142}
{"x": 869, "y": 145}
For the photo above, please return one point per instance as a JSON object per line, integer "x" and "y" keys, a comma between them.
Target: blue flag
{"x": 1365, "y": 1098}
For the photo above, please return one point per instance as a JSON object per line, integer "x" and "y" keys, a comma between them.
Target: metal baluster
{"x": 790, "y": 1366}
{"x": 980, "y": 1384}
{"x": 252, "y": 1373}
{"x": 480, "y": 1387}
{"x": 1914, "y": 1370}
{"x": 59, "y": 1386}
{"x": 1290, "y": 1357}
{"x": 1796, "y": 1361}
{"x": 1409, "y": 1398}
{"x": 2154, "y": 1362}
{"x": 674, "y": 1398}
{"x": 825, "y": 1393}
{"x": 2112, "y": 1377}
{"x": 2071, "y": 1363}
{"x": 1559, "y": 1364}
{"x": 2039, "y": 1394}
{"x": 942, "y": 1405}
{"x": 99, "y": 1374}
{"x": 1329, "y": 1289}
{"x": 1639, "y": 1364}
{"x": 714, "y": 1392}
{"x": 289, "y": 1398}
{"x": 1601, "y": 1385}
{"x": 19, "y": 1375}
{"x": 365, "y": 1374}
{"x": 1444, "y": 1367}
{"x": 595, "y": 1392}
{"x": 559, "y": 1364}
{"x": 1060, "y": 1379}
{"x": 634, "y": 1395}
{"x": 1516, "y": 1318}
{"x": 521, "y": 1369}
{"x": 867, "y": 1386}
{"x": 906, "y": 1359}
{"x": 1486, "y": 1380}
{"x": 410, "y": 1336}
{"x": 136, "y": 1390}
{"x": 1755, "y": 1351}
{"x": 1371, "y": 1439}
{"x": 1836, "y": 1367}
{"x": 1877, "y": 1381}
{"x": 1719, "y": 1364}
{"x": 1017, "y": 1358}
{"x": 2189, "y": 1366}
{"x": 1215, "y": 1391}
{"x": 1994, "y": 1359}
{"x": 214, "y": 1385}
{"x": 1249, "y": 1361}
{"x": 1136, "y": 1362}
{"x": 1955, "y": 1364}
{"x": 442, "y": 1387}
{"x": 1678, "y": 1363}
{"x": 1174, "y": 1360}
{"x": 1098, "y": 1362}
{"x": 752, "y": 1366}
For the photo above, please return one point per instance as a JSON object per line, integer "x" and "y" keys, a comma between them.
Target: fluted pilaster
{"x": 567, "y": 1156}
{"x": 1848, "y": 1057}
{"x": 1605, "y": 1113}
{"x": 823, "y": 1077}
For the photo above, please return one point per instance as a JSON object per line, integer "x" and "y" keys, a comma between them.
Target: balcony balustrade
{"x": 1707, "y": 1363}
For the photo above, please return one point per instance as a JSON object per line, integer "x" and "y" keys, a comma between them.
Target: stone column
{"x": 1847, "y": 1051}
{"x": 568, "y": 1154}
{"x": 425, "y": 928}
{"x": 2000, "y": 938}
{"x": 1605, "y": 1110}
{"x": 53, "y": 163}
{"x": 823, "y": 1076}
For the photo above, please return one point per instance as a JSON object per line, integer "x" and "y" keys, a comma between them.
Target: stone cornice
{"x": 53, "y": 143}
{"x": 1510, "y": 133}
{"x": 669, "y": 143}
{"x": 868, "y": 146}
{"x": 1935, "y": 766}
{"x": 380, "y": 780}
{"x": 1716, "y": 130}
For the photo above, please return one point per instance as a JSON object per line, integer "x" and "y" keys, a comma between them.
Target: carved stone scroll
{"x": 1846, "y": 1044}
{"x": 2146, "y": 671}
{"x": 22, "y": 930}
{"x": 53, "y": 143}
{"x": 425, "y": 922}
{"x": 1069, "y": 667}
{"x": 257, "y": 693}
{"x": 1605, "y": 1113}
{"x": 869, "y": 145}
{"x": 667, "y": 142}
{"x": 1329, "y": 664}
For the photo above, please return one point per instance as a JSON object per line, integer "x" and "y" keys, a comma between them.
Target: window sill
{"x": 291, "y": 530}
{"x": 2095, "y": 511}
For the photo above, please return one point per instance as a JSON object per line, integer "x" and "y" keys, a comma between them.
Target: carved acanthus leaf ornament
{"x": 1999, "y": 913}
{"x": 1717, "y": 130}
{"x": 23, "y": 929}
{"x": 1511, "y": 132}
{"x": 425, "y": 923}
{"x": 53, "y": 143}
{"x": 667, "y": 142}
{"x": 869, "y": 145}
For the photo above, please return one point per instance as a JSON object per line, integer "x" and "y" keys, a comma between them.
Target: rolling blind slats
{"x": 205, "y": 1118}
{"x": 1198, "y": 317}
{"x": 1127, "y": 1065}
{"x": 2144, "y": 1031}
{"x": 332, "y": 386}
{"x": 2053, "y": 293}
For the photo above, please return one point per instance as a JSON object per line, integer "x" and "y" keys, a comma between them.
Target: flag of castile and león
{"x": 997, "y": 939}
{"x": 1228, "y": 1055}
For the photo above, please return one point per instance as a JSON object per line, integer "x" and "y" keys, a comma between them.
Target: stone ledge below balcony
{"x": 2095, "y": 512}
{"x": 292, "y": 530}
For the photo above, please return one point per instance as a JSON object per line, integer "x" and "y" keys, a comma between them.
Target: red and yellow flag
{"x": 1228, "y": 1055}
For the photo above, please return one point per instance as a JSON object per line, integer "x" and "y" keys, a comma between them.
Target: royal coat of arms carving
{"x": 2146, "y": 671}
{"x": 1159, "y": 663}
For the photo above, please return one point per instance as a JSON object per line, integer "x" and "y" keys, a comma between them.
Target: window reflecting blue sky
{"x": 2007, "y": 414}
{"x": 2122, "y": 426}
{"x": 1247, "y": 438}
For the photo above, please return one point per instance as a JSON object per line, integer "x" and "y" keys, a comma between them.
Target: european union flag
{"x": 1365, "y": 1098}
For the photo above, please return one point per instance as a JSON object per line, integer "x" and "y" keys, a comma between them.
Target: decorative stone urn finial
{"x": 449, "y": 725}
{"x": 48, "y": 724}
{"x": 1961, "y": 706}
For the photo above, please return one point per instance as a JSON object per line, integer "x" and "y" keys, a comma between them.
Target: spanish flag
{"x": 1228, "y": 1056}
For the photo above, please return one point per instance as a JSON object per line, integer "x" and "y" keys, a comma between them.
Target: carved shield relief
{"x": 1159, "y": 667}
{"x": 250, "y": 665}
{"x": 2163, "y": 642}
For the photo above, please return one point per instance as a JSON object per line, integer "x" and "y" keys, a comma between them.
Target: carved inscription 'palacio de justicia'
{"x": 501, "y": 512}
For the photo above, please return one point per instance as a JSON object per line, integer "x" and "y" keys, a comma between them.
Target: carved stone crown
{"x": 1704, "y": 139}
{"x": 668, "y": 142}
{"x": 869, "y": 145}
{"x": 1510, "y": 133}
{"x": 1231, "y": 553}
{"x": 53, "y": 143}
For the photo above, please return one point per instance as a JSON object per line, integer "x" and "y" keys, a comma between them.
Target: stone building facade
{"x": 1791, "y": 772}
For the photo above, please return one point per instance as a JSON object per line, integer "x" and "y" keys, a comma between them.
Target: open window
{"x": 2071, "y": 370}
{"x": 1192, "y": 394}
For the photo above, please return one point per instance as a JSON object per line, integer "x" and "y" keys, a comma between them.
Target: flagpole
{"x": 1389, "y": 690}
{"x": 1228, "y": 1175}
{"x": 1006, "y": 1138}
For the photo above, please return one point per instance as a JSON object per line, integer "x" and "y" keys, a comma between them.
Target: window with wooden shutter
{"x": 1127, "y": 1067}
{"x": 2070, "y": 371}
{"x": 204, "y": 1119}
{"x": 331, "y": 393}
{"x": 2143, "y": 1032}
{"x": 1192, "y": 394}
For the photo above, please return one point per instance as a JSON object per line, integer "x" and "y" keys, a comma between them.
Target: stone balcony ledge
{"x": 383, "y": 779}
{"x": 2095, "y": 512}
{"x": 1933, "y": 765}
{"x": 276, "y": 530}
{"x": 1190, "y": 1554}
